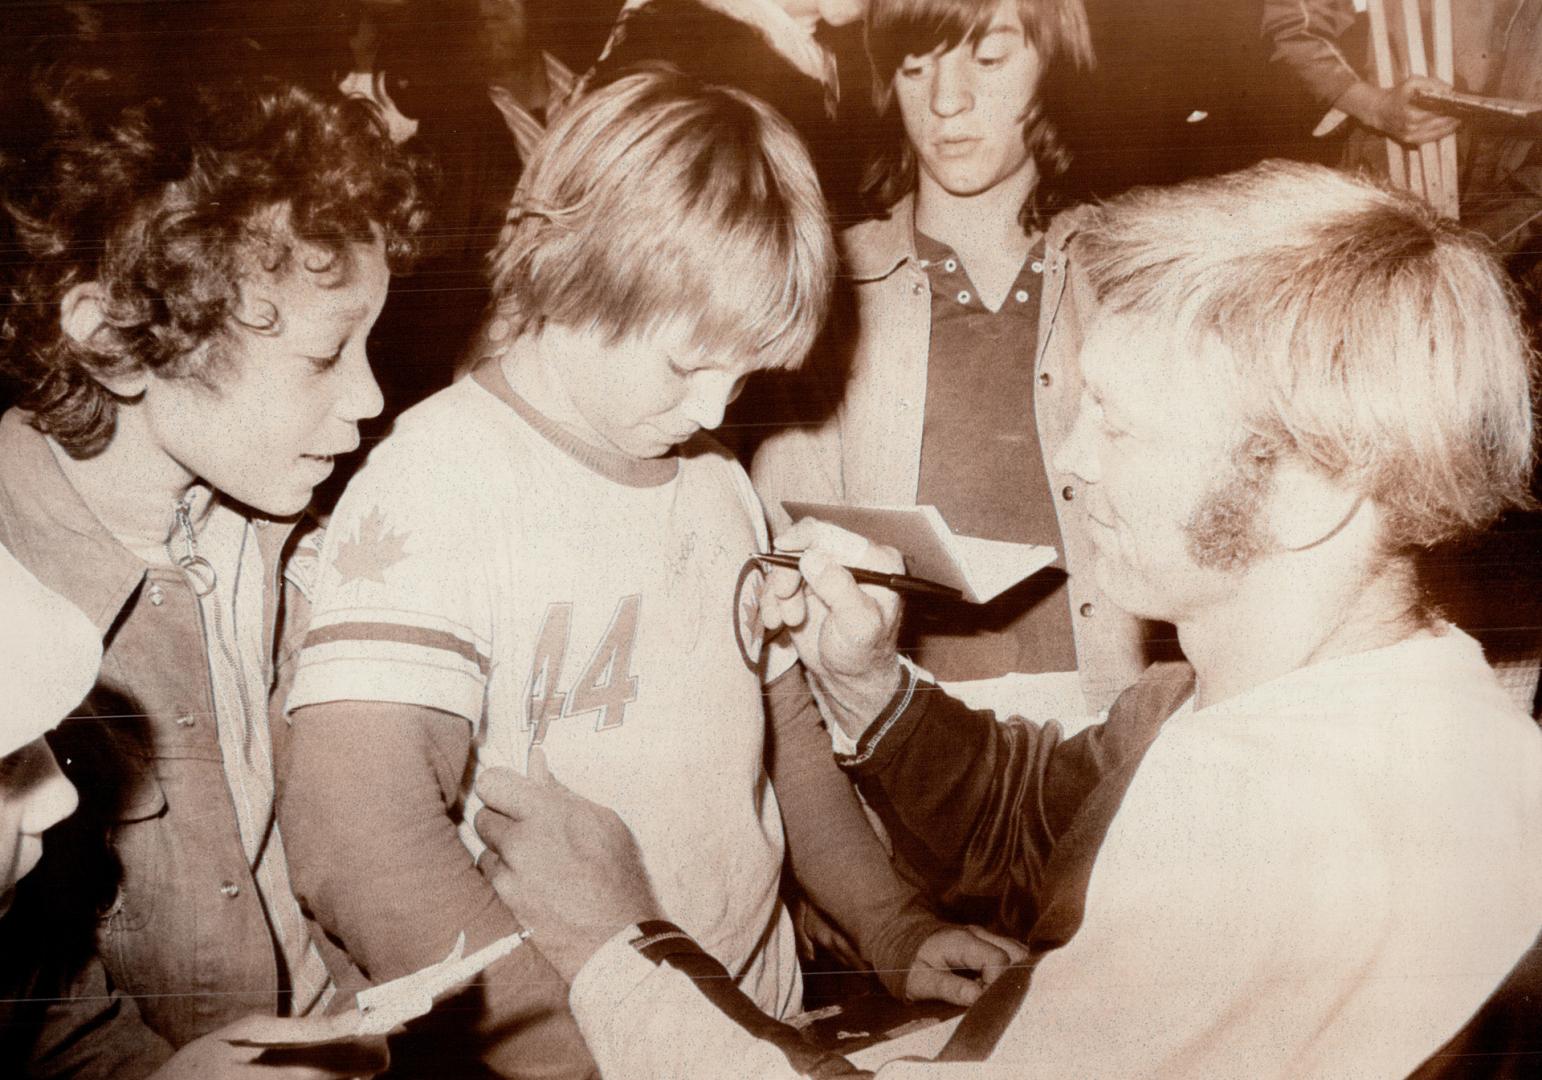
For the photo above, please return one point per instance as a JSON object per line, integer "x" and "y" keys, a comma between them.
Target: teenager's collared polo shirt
{"x": 982, "y": 466}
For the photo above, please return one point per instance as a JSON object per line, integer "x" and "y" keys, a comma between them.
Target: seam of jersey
{"x": 620, "y": 468}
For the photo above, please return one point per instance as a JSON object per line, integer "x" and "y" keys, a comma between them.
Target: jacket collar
{"x": 53, "y": 531}
{"x": 49, "y": 527}
{"x": 875, "y": 249}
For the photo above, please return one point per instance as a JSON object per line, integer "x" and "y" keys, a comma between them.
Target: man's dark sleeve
{"x": 974, "y": 805}
{"x": 1306, "y": 37}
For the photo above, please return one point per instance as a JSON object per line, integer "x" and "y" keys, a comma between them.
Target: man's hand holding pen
{"x": 845, "y": 633}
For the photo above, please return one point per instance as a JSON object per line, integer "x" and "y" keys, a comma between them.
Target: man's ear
{"x": 83, "y": 318}
{"x": 1308, "y": 507}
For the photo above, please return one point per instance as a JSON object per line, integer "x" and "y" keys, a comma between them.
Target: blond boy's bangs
{"x": 760, "y": 294}
{"x": 656, "y": 200}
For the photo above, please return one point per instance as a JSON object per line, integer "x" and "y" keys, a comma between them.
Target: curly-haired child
{"x": 204, "y": 252}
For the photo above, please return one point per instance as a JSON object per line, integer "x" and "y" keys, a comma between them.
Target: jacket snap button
{"x": 186, "y": 721}
{"x": 157, "y": 595}
{"x": 230, "y": 890}
{"x": 1086, "y": 610}
{"x": 1044, "y": 378}
{"x": 1068, "y": 493}
{"x": 1038, "y": 267}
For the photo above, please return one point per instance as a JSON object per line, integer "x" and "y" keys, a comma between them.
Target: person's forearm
{"x": 377, "y": 860}
{"x": 366, "y": 828}
{"x": 652, "y": 1005}
{"x": 855, "y": 703}
{"x": 835, "y": 855}
{"x": 976, "y": 805}
{"x": 962, "y": 795}
{"x": 1306, "y": 35}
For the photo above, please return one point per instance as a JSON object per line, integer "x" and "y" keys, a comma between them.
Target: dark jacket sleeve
{"x": 835, "y": 854}
{"x": 1306, "y": 38}
{"x": 974, "y": 805}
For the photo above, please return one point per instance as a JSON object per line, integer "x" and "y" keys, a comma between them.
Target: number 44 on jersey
{"x": 606, "y": 685}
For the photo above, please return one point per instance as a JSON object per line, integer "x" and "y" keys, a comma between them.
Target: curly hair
{"x": 167, "y": 191}
{"x": 896, "y": 29}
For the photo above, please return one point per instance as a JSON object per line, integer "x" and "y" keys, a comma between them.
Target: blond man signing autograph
{"x": 1314, "y": 849}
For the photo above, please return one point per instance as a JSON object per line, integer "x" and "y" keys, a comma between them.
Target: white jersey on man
{"x": 487, "y": 564}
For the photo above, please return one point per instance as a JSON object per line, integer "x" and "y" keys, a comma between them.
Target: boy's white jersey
{"x": 485, "y": 564}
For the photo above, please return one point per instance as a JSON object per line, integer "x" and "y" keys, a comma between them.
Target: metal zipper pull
{"x": 193, "y": 564}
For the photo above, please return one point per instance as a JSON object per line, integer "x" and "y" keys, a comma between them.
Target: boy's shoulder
{"x": 704, "y": 454}
{"x": 436, "y": 461}
{"x": 871, "y": 249}
{"x": 1064, "y": 226}
{"x": 461, "y": 424}
{"x": 461, "y": 410}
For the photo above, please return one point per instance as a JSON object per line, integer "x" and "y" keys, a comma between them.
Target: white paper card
{"x": 382, "y": 1009}
{"x": 980, "y": 569}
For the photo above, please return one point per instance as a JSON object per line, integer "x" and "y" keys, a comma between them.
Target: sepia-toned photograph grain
{"x": 770, "y": 539}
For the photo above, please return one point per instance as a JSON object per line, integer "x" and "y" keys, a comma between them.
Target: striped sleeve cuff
{"x": 364, "y": 655}
{"x": 902, "y": 711}
{"x": 608, "y": 987}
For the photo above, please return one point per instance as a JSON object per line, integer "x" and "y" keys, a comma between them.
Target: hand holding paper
{"x": 564, "y": 865}
{"x": 381, "y": 1009}
{"x": 846, "y": 634}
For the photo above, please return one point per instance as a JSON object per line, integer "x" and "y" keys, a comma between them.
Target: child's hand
{"x": 213, "y": 1057}
{"x": 567, "y": 867}
{"x": 845, "y": 633}
{"x": 815, "y": 932}
{"x": 934, "y": 974}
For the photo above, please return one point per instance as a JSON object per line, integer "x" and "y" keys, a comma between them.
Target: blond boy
{"x": 552, "y": 554}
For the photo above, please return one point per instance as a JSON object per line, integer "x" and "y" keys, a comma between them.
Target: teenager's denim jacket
{"x": 181, "y": 924}
{"x": 854, "y": 435}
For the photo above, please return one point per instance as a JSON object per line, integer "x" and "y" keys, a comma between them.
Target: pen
{"x": 897, "y": 582}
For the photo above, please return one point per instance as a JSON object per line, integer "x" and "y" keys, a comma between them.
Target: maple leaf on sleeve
{"x": 372, "y": 550}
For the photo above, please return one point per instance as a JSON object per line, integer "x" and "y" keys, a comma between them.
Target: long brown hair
{"x": 896, "y": 29}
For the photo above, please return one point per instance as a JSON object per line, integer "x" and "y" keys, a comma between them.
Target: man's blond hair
{"x": 1361, "y": 331}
